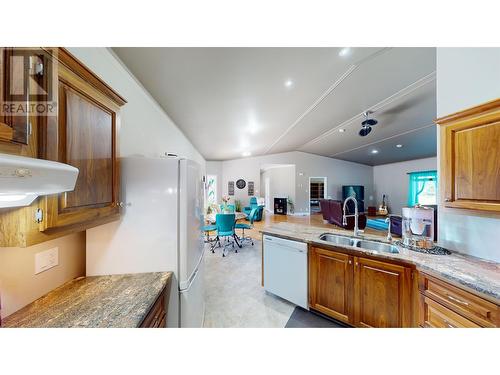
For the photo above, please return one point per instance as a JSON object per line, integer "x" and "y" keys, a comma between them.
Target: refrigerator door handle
{"x": 186, "y": 285}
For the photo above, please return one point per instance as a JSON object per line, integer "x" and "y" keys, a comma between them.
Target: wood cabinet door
{"x": 14, "y": 70}
{"x": 470, "y": 162}
{"x": 330, "y": 283}
{"x": 86, "y": 139}
{"x": 382, "y": 294}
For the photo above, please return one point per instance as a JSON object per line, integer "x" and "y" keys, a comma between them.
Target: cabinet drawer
{"x": 156, "y": 316}
{"x": 438, "y": 316}
{"x": 472, "y": 307}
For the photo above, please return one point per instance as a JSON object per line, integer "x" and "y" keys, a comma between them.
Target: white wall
{"x": 467, "y": 77}
{"x": 392, "y": 180}
{"x": 338, "y": 172}
{"x": 281, "y": 183}
{"x": 145, "y": 130}
{"x": 20, "y": 286}
{"x": 145, "y": 127}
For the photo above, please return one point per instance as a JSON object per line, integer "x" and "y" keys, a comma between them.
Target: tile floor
{"x": 234, "y": 295}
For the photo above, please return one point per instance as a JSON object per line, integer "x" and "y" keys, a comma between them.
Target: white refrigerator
{"x": 160, "y": 230}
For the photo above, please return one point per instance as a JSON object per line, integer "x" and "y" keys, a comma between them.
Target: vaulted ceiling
{"x": 232, "y": 102}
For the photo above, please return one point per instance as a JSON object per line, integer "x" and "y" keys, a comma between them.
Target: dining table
{"x": 238, "y": 216}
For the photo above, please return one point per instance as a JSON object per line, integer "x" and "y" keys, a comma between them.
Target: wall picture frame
{"x": 251, "y": 188}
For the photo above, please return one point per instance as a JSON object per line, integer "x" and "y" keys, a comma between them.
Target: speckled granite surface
{"x": 120, "y": 301}
{"x": 476, "y": 274}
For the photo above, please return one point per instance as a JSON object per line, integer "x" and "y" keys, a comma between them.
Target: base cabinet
{"x": 443, "y": 305}
{"x": 436, "y": 315}
{"x": 382, "y": 294}
{"x": 157, "y": 316}
{"x": 359, "y": 291}
{"x": 330, "y": 282}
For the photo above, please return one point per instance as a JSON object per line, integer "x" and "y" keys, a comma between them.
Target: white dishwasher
{"x": 285, "y": 269}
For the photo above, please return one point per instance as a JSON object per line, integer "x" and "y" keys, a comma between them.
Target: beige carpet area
{"x": 233, "y": 294}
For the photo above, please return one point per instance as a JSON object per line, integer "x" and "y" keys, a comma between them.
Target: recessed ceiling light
{"x": 288, "y": 83}
{"x": 345, "y": 52}
{"x": 246, "y": 153}
{"x": 341, "y": 130}
{"x": 374, "y": 151}
{"x": 399, "y": 146}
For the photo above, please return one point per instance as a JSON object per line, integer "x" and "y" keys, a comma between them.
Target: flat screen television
{"x": 358, "y": 191}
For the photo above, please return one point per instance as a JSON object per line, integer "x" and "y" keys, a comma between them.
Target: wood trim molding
{"x": 431, "y": 77}
{"x": 492, "y": 105}
{"x": 385, "y": 139}
{"x": 76, "y": 66}
{"x": 6, "y": 132}
{"x": 318, "y": 101}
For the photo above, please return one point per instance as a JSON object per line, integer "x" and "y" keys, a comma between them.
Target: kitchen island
{"x": 114, "y": 301}
{"x": 403, "y": 288}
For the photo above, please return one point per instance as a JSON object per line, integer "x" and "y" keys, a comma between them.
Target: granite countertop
{"x": 118, "y": 301}
{"x": 479, "y": 275}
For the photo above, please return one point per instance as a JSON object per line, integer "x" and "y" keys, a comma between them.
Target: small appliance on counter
{"x": 418, "y": 227}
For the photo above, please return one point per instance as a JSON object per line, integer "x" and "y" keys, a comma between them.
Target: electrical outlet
{"x": 47, "y": 259}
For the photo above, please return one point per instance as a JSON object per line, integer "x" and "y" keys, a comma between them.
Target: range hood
{"x": 23, "y": 179}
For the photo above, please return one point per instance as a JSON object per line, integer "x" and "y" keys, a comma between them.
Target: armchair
{"x": 253, "y": 204}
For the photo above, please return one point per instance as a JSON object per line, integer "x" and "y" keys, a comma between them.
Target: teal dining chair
{"x": 230, "y": 208}
{"x": 225, "y": 230}
{"x": 207, "y": 229}
{"x": 243, "y": 226}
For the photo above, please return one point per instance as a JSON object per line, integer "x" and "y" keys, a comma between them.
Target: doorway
{"x": 267, "y": 194}
{"x": 317, "y": 191}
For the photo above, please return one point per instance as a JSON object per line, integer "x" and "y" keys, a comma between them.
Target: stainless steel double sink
{"x": 355, "y": 242}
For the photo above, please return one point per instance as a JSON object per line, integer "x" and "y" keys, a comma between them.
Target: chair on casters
{"x": 225, "y": 229}
{"x": 244, "y": 226}
{"x": 207, "y": 229}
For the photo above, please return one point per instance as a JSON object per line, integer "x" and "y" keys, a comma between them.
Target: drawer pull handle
{"x": 458, "y": 301}
{"x": 449, "y": 324}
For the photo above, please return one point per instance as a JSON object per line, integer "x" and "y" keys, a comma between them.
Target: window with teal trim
{"x": 423, "y": 188}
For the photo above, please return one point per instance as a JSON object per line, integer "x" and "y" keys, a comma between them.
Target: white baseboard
{"x": 300, "y": 214}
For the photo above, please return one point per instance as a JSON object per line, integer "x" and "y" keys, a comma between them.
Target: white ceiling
{"x": 234, "y": 100}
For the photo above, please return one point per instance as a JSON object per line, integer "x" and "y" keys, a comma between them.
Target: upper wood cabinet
{"x": 14, "y": 90}
{"x": 24, "y": 78}
{"x": 360, "y": 291}
{"x": 470, "y": 158}
{"x": 86, "y": 138}
{"x": 83, "y": 132}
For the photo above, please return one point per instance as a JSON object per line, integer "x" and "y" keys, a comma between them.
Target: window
{"x": 211, "y": 190}
{"x": 423, "y": 188}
